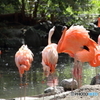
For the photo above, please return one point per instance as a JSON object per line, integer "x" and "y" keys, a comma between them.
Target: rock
{"x": 43, "y": 26}
{"x": 15, "y": 32}
{"x": 32, "y": 38}
{"x": 10, "y": 38}
{"x": 13, "y": 43}
{"x": 95, "y": 80}
{"x": 94, "y": 34}
{"x": 57, "y": 89}
{"x": 49, "y": 89}
{"x": 58, "y": 32}
{"x": 67, "y": 84}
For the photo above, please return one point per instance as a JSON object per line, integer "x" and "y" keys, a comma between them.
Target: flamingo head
{"x": 51, "y": 31}
{"x": 46, "y": 69}
{"x": 99, "y": 40}
{"x": 96, "y": 61}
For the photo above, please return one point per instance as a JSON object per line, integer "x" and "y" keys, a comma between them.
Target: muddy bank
{"x": 86, "y": 92}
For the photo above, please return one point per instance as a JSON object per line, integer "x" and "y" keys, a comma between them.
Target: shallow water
{"x": 36, "y": 83}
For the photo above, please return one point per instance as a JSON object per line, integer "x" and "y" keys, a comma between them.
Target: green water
{"x": 10, "y": 80}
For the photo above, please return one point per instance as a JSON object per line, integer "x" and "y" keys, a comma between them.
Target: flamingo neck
{"x": 61, "y": 40}
{"x": 99, "y": 22}
{"x": 96, "y": 61}
{"x": 49, "y": 38}
{"x": 99, "y": 40}
{"x": 63, "y": 34}
{"x": 50, "y": 34}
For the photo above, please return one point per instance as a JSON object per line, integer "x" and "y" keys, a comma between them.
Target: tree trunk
{"x": 23, "y": 9}
{"x": 35, "y": 9}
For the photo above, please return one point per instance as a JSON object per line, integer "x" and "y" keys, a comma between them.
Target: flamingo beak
{"x": 46, "y": 73}
{"x": 46, "y": 70}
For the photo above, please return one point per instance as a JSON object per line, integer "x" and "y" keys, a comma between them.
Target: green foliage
{"x": 8, "y": 6}
{"x": 96, "y": 6}
{"x": 64, "y": 11}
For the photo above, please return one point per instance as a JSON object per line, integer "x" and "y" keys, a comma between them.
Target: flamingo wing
{"x": 74, "y": 41}
{"x": 23, "y": 59}
{"x": 75, "y": 37}
{"x": 50, "y": 58}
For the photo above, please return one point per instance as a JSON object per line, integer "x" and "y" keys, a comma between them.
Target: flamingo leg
{"x": 52, "y": 81}
{"x": 80, "y": 65}
{"x": 25, "y": 84}
{"x": 43, "y": 82}
{"x": 21, "y": 88}
{"x": 72, "y": 84}
{"x": 73, "y": 76}
{"x": 54, "y": 84}
{"x": 72, "y": 80}
{"x": 79, "y": 79}
{"x": 77, "y": 72}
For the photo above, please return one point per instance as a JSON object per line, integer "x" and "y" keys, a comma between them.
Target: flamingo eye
{"x": 86, "y": 48}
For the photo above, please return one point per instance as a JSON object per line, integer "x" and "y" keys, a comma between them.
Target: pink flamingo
{"x": 49, "y": 59}
{"x": 76, "y": 42}
{"x": 23, "y": 59}
{"x": 49, "y": 56}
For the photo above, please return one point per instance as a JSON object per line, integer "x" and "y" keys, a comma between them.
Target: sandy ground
{"x": 86, "y": 92}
